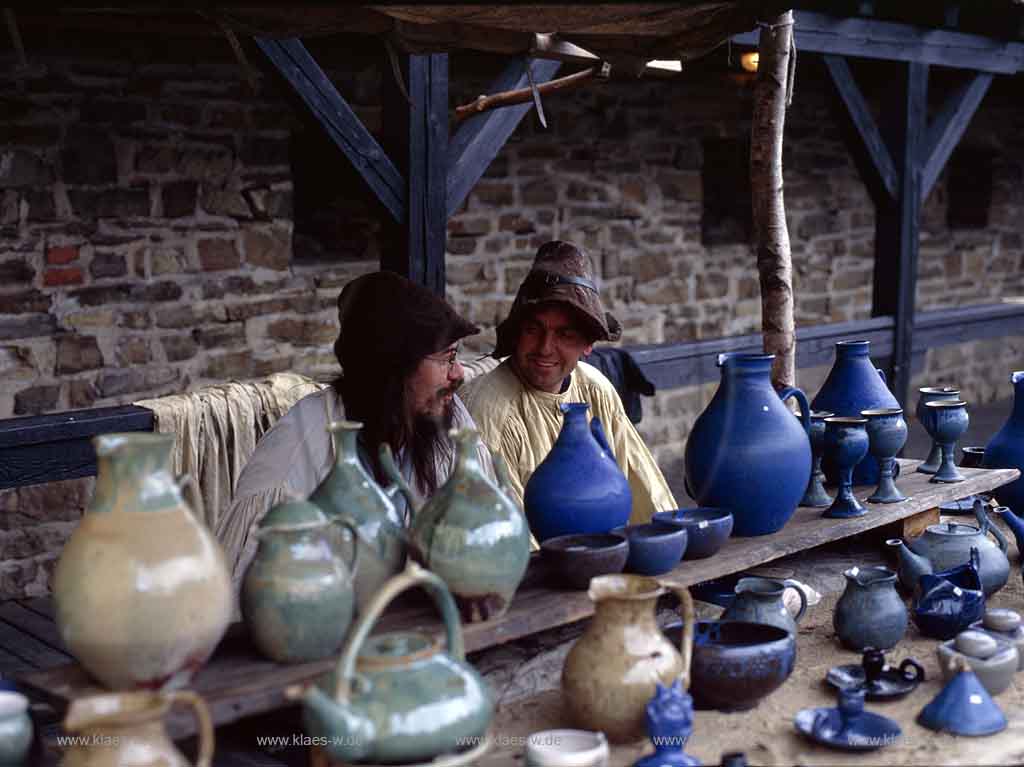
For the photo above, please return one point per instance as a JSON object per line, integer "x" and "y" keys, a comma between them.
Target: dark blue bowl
{"x": 654, "y": 549}
{"x": 578, "y": 558}
{"x": 708, "y": 528}
{"x": 736, "y": 663}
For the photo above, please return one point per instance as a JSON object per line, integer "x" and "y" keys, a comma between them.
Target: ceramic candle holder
{"x": 929, "y": 394}
{"x": 946, "y": 421}
{"x": 887, "y": 433}
{"x": 816, "y": 494}
{"x": 846, "y": 443}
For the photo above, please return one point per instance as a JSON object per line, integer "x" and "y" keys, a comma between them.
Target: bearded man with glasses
{"x": 398, "y": 349}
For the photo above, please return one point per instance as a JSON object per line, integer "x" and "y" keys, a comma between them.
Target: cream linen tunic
{"x": 522, "y": 423}
{"x": 291, "y": 460}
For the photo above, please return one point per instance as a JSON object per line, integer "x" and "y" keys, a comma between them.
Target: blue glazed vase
{"x": 746, "y": 452}
{"x": 854, "y": 384}
{"x": 578, "y": 487}
{"x": 1006, "y": 450}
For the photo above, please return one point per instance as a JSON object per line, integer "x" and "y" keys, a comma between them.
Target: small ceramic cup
{"x": 567, "y": 748}
{"x": 15, "y": 728}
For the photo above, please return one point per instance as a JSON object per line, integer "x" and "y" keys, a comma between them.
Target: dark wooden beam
{"x": 481, "y": 137}
{"x": 893, "y": 41}
{"x": 423, "y": 130}
{"x": 885, "y": 170}
{"x": 52, "y": 447}
{"x": 948, "y": 127}
{"x": 897, "y": 226}
{"x": 344, "y": 127}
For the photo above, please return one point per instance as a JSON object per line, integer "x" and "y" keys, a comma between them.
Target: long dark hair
{"x": 382, "y": 405}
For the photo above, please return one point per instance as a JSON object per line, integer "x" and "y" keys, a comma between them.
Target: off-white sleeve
{"x": 650, "y": 490}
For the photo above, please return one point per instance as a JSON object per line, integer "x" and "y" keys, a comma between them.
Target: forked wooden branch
{"x": 522, "y": 95}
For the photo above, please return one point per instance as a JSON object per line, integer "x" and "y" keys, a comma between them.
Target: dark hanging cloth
{"x": 621, "y": 369}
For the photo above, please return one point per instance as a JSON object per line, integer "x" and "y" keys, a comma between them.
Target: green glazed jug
{"x": 470, "y": 532}
{"x": 398, "y": 697}
{"x": 297, "y": 596}
{"x": 349, "y": 492}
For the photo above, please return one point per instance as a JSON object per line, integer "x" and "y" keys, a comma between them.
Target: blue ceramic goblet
{"x": 946, "y": 421}
{"x": 846, "y": 443}
{"x": 887, "y": 433}
{"x": 815, "y": 494}
{"x": 930, "y": 394}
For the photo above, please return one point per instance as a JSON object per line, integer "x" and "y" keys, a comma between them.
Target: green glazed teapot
{"x": 397, "y": 697}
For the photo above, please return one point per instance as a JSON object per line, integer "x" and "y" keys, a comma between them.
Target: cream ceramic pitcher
{"x": 127, "y": 730}
{"x": 141, "y": 590}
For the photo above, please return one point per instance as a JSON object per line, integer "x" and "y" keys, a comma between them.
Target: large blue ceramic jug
{"x": 746, "y": 452}
{"x": 1006, "y": 450}
{"x": 578, "y": 487}
{"x": 854, "y": 384}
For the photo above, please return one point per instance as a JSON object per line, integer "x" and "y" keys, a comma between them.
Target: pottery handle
{"x": 346, "y": 521}
{"x": 686, "y": 639}
{"x": 801, "y": 400}
{"x": 188, "y": 479}
{"x": 387, "y": 462}
{"x": 986, "y": 525}
{"x": 789, "y": 583}
{"x": 413, "y": 575}
{"x": 911, "y": 670}
{"x": 881, "y": 374}
{"x": 597, "y": 429}
{"x": 202, "y": 715}
{"x": 501, "y": 473}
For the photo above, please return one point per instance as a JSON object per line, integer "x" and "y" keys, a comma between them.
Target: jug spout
{"x": 349, "y": 736}
{"x": 1015, "y": 524}
{"x": 912, "y": 566}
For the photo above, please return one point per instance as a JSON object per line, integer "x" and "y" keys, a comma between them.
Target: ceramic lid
{"x": 953, "y": 528}
{"x": 396, "y": 649}
{"x": 295, "y": 515}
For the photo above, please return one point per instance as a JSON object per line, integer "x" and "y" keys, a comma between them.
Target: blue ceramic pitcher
{"x": 578, "y": 487}
{"x": 746, "y": 452}
{"x": 854, "y": 384}
{"x": 1006, "y": 450}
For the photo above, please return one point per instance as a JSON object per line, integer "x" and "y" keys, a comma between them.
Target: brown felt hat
{"x": 561, "y": 273}
{"x": 389, "y": 323}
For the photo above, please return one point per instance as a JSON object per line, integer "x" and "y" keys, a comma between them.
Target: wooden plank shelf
{"x": 237, "y": 682}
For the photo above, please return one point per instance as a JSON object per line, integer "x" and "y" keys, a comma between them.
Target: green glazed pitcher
{"x": 470, "y": 532}
{"x": 349, "y": 492}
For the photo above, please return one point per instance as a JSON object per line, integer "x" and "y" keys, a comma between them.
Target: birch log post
{"x": 774, "y": 259}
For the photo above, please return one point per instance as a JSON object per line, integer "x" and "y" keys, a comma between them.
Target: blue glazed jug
{"x": 854, "y": 384}
{"x": 578, "y": 487}
{"x": 1006, "y": 450}
{"x": 746, "y": 452}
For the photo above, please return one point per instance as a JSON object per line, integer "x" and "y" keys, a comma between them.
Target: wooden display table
{"x": 237, "y": 682}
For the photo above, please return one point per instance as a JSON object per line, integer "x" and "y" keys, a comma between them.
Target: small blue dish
{"x": 654, "y": 549}
{"x": 848, "y": 727}
{"x": 718, "y": 591}
{"x": 708, "y": 528}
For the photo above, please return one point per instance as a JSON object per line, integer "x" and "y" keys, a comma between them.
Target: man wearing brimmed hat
{"x": 555, "y": 319}
{"x": 398, "y": 347}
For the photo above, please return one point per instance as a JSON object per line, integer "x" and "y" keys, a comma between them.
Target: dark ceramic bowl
{"x": 654, "y": 549}
{"x": 707, "y": 528}
{"x": 736, "y": 663}
{"x": 575, "y": 559}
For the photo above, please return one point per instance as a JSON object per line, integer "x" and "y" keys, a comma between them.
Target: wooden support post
{"x": 417, "y": 130}
{"x": 897, "y": 225}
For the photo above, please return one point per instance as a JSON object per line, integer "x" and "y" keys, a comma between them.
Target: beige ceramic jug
{"x": 611, "y": 672}
{"x": 142, "y": 591}
{"x": 127, "y": 730}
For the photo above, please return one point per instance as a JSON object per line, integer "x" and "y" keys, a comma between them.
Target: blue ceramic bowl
{"x": 708, "y": 528}
{"x": 736, "y": 663}
{"x": 654, "y": 549}
{"x": 575, "y": 559}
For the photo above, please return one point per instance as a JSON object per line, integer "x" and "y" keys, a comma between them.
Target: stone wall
{"x": 150, "y": 240}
